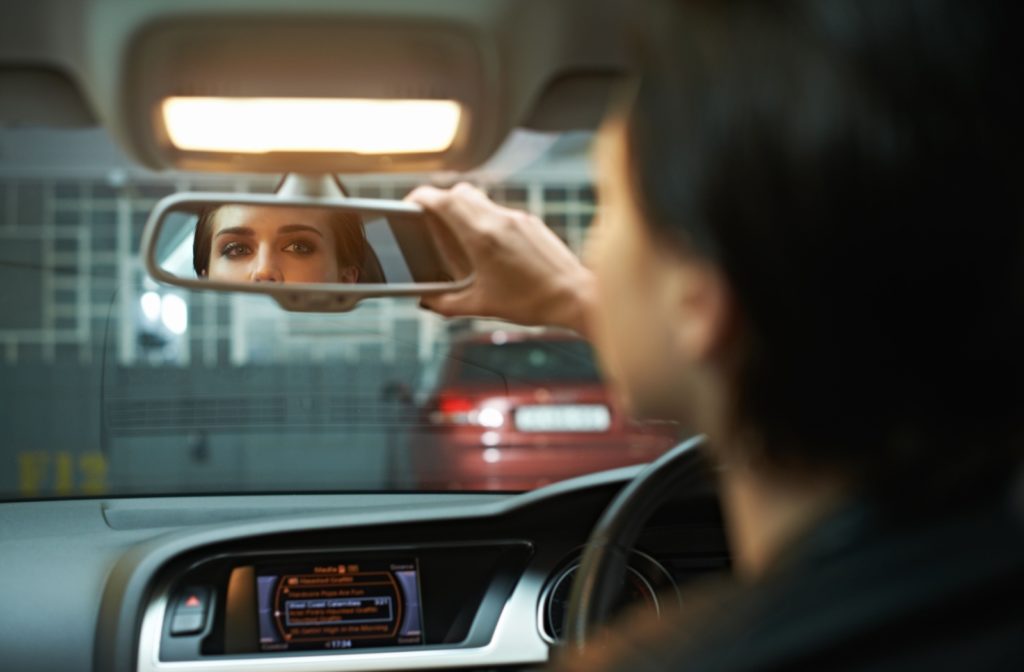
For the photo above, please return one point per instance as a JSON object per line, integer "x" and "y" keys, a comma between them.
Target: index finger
{"x": 463, "y": 208}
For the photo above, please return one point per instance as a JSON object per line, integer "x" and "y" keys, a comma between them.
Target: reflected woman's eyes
{"x": 239, "y": 249}
{"x": 300, "y": 247}
{"x": 235, "y": 250}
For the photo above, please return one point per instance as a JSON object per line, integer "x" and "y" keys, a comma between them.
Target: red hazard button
{"x": 194, "y": 598}
{"x": 189, "y": 615}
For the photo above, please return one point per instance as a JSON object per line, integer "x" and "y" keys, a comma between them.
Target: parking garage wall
{"x": 96, "y": 398}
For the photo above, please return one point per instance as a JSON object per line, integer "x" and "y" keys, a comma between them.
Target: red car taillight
{"x": 452, "y": 410}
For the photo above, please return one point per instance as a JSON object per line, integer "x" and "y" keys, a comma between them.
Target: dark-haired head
{"x": 852, "y": 168}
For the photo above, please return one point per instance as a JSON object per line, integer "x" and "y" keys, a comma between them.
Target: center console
{"x": 337, "y": 603}
{"x": 276, "y": 605}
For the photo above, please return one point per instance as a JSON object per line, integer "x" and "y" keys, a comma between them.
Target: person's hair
{"x": 350, "y": 244}
{"x": 854, "y": 170}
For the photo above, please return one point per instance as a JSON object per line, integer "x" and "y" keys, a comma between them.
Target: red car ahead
{"x": 514, "y": 411}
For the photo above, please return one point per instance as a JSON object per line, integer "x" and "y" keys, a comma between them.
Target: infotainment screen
{"x": 339, "y": 604}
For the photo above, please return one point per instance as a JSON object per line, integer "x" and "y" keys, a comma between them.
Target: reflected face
{"x": 274, "y": 244}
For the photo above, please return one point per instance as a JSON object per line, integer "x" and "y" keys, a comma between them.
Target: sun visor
{"x": 41, "y": 96}
{"x": 320, "y": 88}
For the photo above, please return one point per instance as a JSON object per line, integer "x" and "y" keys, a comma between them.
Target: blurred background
{"x": 114, "y": 384}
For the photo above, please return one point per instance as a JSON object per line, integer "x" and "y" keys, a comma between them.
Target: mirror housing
{"x": 400, "y": 235}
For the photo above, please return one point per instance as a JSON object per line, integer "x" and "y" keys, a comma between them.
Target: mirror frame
{"x": 295, "y": 297}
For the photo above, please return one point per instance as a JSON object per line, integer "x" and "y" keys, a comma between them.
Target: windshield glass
{"x": 537, "y": 362}
{"x": 116, "y": 385}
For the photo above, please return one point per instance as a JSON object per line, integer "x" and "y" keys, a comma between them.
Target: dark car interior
{"x": 358, "y": 576}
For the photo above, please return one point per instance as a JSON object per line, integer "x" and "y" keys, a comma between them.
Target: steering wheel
{"x": 602, "y": 569}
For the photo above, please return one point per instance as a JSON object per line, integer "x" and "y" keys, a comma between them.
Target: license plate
{"x": 563, "y": 418}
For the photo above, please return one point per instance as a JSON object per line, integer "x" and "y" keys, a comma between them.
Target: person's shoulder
{"x": 857, "y": 592}
{"x": 640, "y": 640}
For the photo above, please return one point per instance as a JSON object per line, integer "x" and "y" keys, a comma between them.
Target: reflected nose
{"x": 265, "y": 269}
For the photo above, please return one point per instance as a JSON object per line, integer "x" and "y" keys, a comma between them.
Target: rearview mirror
{"x": 310, "y": 253}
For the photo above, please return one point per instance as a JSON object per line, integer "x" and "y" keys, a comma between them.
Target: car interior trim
{"x": 124, "y": 605}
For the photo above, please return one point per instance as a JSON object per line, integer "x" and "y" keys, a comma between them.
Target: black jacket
{"x": 866, "y": 590}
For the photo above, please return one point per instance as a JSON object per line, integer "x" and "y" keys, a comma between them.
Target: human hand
{"x": 524, "y": 272}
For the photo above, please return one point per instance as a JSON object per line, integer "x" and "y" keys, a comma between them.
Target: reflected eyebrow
{"x": 293, "y": 228}
{"x": 287, "y": 228}
{"x": 235, "y": 230}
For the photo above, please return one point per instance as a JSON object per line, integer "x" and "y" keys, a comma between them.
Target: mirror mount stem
{"x": 311, "y": 185}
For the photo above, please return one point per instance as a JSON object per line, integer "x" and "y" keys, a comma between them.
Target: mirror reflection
{"x": 246, "y": 242}
{"x": 249, "y": 243}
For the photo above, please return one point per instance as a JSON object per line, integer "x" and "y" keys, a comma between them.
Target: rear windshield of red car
{"x": 525, "y": 362}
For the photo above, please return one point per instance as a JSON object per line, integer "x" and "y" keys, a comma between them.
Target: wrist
{"x": 574, "y": 301}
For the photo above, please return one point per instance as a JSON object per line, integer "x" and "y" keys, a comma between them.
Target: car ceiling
{"x": 546, "y": 65}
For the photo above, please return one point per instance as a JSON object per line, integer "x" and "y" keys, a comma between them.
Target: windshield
{"x": 532, "y": 362}
{"x": 116, "y": 385}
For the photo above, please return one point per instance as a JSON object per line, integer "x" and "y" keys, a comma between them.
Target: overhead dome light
{"x": 321, "y": 125}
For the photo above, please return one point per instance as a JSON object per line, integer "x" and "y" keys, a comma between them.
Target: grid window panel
{"x": 555, "y": 195}
{"x": 83, "y": 282}
{"x": 138, "y": 226}
{"x": 65, "y": 296}
{"x": 100, "y": 324}
{"x": 68, "y": 216}
{"x": 30, "y": 199}
{"x": 560, "y": 225}
{"x": 153, "y": 191}
{"x": 102, "y": 217}
{"x": 103, "y": 191}
{"x": 67, "y": 354}
{"x": 67, "y": 190}
{"x": 101, "y": 296}
{"x": 65, "y": 270}
{"x": 21, "y": 289}
{"x": 511, "y": 196}
{"x": 104, "y": 271}
{"x": 30, "y": 352}
{"x": 65, "y": 244}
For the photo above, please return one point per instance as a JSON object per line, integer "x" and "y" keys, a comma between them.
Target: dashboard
{"x": 335, "y": 582}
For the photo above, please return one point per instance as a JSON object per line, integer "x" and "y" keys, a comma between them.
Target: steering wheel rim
{"x": 605, "y": 559}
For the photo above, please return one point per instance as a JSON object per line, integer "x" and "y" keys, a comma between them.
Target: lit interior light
{"x": 150, "y": 302}
{"x": 356, "y": 125}
{"x": 174, "y": 314}
{"x": 490, "y": 438}
{"x": 492, "y": 455}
